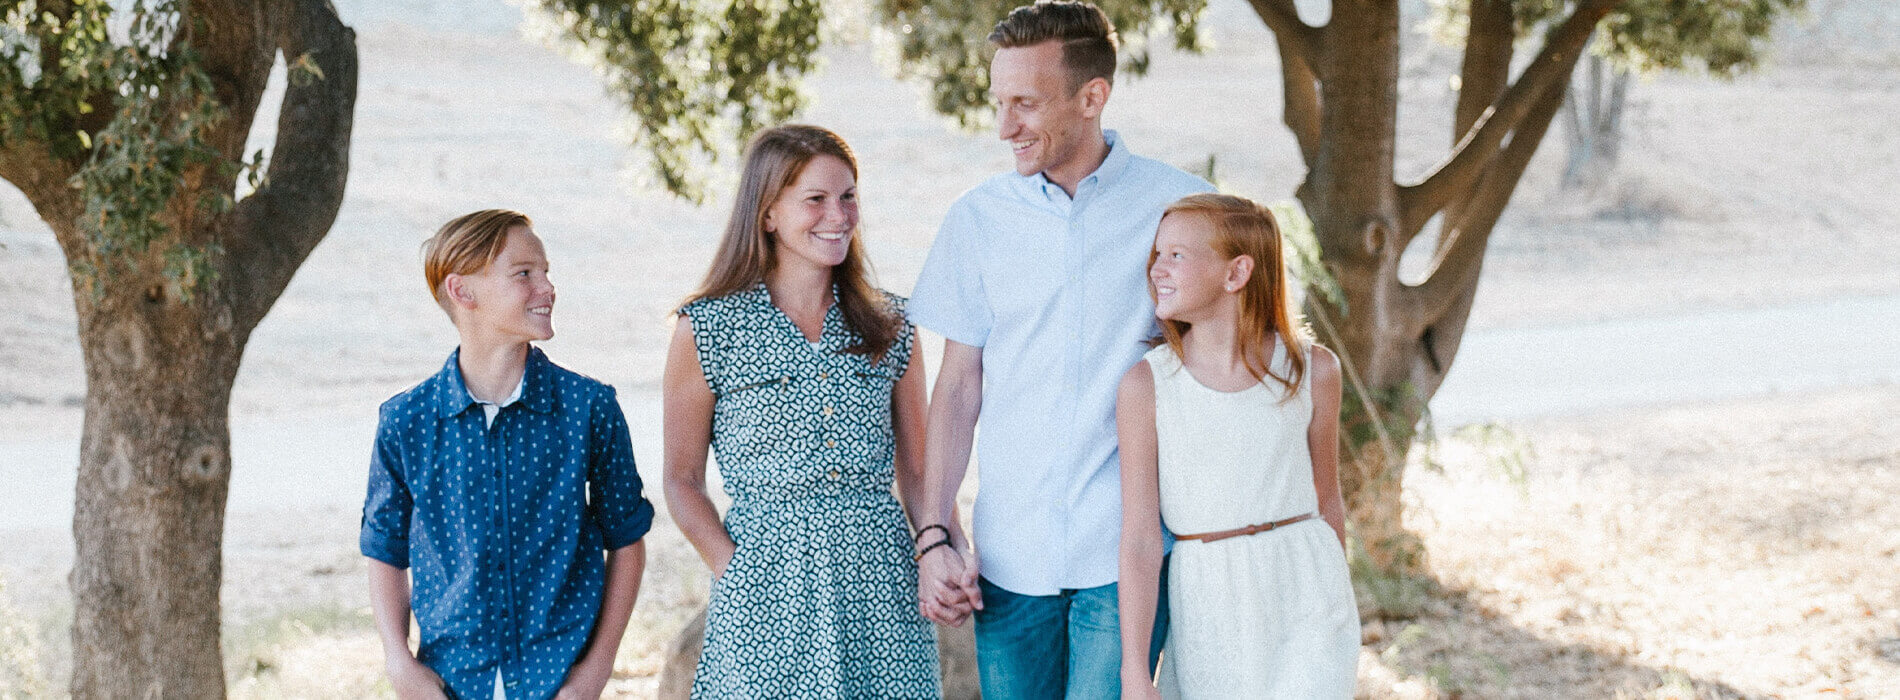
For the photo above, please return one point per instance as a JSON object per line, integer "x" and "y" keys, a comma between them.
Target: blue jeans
{"x": 1065, "y": 646}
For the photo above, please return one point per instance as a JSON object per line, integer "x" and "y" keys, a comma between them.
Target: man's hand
{"x": 412, "y": 680}
{"x": 585, "y": 681}
{"x": 946, "y": 586}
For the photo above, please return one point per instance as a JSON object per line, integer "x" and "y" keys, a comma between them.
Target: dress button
{"x": 831, "y": 443}
{"x": 834, "y": 474}
{"x": 824, "y": 375}
{"x": 827, "y": 411}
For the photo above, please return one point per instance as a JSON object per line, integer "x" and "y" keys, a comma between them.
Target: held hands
{"x": 946, "y": 580}
{"x": 413, "y": 681}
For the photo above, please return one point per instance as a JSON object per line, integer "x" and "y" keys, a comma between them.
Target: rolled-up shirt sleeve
{"x": 949, "y": 298}
{"x": 385, "y": 534}
{"x": 617, "y": 501}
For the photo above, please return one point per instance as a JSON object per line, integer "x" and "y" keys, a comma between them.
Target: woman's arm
{"x": 687, "y": 408}
{"x": 1140, "y": 578}
{"x": 1322, "y": 439}
{"x": 908, "y": 418}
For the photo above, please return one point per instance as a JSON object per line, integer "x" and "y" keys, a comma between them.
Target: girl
{"x": 1229, "y": 438}
{"x": 797, "y": 373}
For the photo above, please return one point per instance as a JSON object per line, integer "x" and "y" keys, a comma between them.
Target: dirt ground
{"x": 1736, "y": 548}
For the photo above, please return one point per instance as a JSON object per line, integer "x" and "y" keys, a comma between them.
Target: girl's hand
{"x": 585, "y": 681}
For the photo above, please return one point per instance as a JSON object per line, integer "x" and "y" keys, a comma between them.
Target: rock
{"x": 956, "y": 649}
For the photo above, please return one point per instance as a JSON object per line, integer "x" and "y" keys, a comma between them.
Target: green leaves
{"x": 1725, "y": 37}
{"x": 63, "y": 62}
{"x": 700, "y": 76}
{"x": 696, "y": 75}
{"x": 946, "y": 44}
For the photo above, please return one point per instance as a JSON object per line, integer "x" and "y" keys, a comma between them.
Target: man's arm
{"x": 389, "y": 598}
{"x": 947, "y": 580}
{"x": 588, "y": 677}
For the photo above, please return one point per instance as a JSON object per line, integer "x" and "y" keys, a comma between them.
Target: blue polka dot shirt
{"x": 505, "y": 525}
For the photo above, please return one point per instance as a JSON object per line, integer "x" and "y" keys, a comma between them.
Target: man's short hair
{"x": 465, "y": 245}
{"x": 1088, "y": 39}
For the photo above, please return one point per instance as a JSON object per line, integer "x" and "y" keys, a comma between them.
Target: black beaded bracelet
{"x": 928, "y": 528}
{"x": 939, "y": 543}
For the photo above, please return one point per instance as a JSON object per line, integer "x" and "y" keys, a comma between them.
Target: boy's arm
{"x": 589, "y": 676}
{"x": 389, "y": 598}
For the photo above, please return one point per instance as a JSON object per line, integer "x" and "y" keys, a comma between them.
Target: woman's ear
{"x": 1239, "y": 270}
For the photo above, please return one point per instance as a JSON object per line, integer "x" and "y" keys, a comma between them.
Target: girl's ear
{"x": 1239, "y": 270}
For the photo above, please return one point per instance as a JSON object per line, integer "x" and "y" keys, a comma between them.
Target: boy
{"x": 503, "y": 511}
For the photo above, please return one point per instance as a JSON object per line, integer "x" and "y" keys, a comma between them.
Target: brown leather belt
{"x": 1248, "y": 530}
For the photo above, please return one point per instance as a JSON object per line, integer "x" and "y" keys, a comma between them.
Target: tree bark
{"x": 153, "y": 471}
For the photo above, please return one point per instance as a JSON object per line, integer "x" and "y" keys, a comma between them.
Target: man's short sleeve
{"x": 949, "y": 298}
{"x": 617, "y": 502}
{"x": 385, "y": 533}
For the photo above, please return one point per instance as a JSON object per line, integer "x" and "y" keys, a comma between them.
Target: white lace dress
{"x": 1269, "y": 615}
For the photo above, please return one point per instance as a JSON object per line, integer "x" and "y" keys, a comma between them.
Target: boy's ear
{"x": 1239, "y": 270}
{"x": 457, "y": 292}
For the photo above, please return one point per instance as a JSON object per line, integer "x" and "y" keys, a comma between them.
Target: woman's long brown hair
{"x": 773, "y": 161}
{"x": 1242, "y": 227}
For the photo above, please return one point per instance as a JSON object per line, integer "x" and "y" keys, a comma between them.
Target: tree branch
{"x": 1283, "y": 18}
{"x": 1473, "y": 155}
{"x": 1300, "y": 102}
{"x": 271, "y": 232}
{"x": 1460, "y": 259}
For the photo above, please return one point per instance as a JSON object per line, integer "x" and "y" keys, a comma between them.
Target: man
{"x": 1037, "y": 281}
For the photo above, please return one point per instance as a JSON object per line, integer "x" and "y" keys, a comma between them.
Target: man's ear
{"x": 458, "y": 292}
{"x": 1239, "y": 270}
{"x": 1094, "y": 95}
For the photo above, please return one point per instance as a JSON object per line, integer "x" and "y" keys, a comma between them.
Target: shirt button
{"x": 831, "y": 443}
{"x": 833, "y": 474}
{"x": 827, "y": 411}
{"x": 824, "y": 375}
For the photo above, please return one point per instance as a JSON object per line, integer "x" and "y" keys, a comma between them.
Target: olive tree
{"x": 124, "y": 124}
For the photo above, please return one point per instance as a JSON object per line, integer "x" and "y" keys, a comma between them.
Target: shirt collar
{"x": 1111, "y": 168}
{"x": 536, "y": 391}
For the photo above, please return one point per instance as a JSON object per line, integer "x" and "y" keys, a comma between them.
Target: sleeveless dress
{"x": 820, "y": 598}
{"x": 1268, "y": 615}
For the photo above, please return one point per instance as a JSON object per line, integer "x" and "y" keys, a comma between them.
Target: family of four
{"x": 1157, "y": 456}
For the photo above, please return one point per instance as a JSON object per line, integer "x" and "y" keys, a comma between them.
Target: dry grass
{"x": 1743, "y": 549}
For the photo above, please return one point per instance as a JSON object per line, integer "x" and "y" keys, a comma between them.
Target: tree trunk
{"x": 153, "y": 471}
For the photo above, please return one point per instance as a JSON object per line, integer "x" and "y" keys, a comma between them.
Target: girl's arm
{"x": 1322, "y": 439}
{"x": 687, "y": 408}
{"x": 1139, "y": 584}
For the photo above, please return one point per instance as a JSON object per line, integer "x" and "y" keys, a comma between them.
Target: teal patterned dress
{"x": 820, "y": 598}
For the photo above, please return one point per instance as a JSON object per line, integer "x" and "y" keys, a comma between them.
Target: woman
{"x": 797, "y": 373}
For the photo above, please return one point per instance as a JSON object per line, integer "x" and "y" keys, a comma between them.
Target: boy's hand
{"x": 585, "y": 681}
{"x": 414, "y": 681}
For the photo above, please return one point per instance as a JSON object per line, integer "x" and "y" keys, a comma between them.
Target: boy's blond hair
{"x": 465, "y": 245}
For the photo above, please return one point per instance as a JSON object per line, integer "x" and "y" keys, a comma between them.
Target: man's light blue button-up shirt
{"x": 1055, "y": 291}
